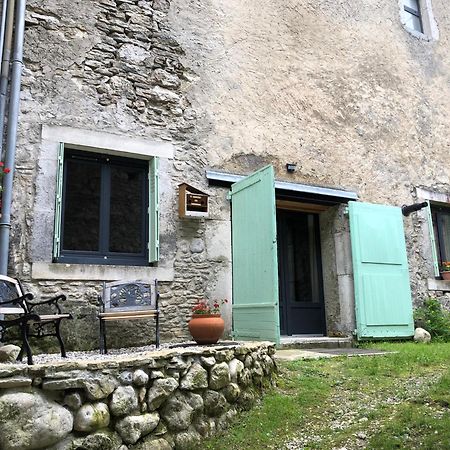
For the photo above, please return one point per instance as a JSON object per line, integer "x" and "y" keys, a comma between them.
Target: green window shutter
{"x": 58, "y": 202}
{"x": 383, "y": 305}
{"x": 432, "y": 241}
{"x": 153, "y": 210}
{"x": 254, "y": 254}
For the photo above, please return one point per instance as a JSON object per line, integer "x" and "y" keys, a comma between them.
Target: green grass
{"x": 396, "y": 401}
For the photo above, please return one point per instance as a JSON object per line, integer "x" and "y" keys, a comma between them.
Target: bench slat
{"x": 47, "y": 317}
{"x": 110, "y": 319}
{"x": 6, "y": 310}
{"x": 151, "y": 312}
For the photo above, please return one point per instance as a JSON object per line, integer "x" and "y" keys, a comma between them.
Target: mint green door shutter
{"x": 383, "y": 304}
{"x": 254, "y": 253}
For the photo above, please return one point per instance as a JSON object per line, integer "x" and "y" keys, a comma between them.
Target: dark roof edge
{"x": 226, "y": 178}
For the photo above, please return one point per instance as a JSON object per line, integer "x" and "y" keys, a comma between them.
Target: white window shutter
{"x": 58, "y": 202}
{"x": 153, "y": 210}
{"x": 432, "y": 241}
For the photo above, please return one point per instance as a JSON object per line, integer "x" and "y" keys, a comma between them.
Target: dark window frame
{"x": 103, "y": 256}
{"x": 417, "y": 13}
{"x": 436, "y": 212}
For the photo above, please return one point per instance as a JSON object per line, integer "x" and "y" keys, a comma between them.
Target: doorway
{"x": 301, "y": 299}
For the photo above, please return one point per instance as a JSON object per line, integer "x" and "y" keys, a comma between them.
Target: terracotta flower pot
{"x": 206, "y": 328}
{"x": 445, "y": 275}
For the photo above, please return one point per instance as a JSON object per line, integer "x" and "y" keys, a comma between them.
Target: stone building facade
{"x": 347, "y": 91}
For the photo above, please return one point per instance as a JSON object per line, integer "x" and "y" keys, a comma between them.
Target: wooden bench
{"x": 33, "y": 318}
{"x": 128, "y": 300}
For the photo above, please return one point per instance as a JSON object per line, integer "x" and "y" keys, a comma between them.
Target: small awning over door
{"x": 288, "y": 190}
{"x": 383, "y": 303}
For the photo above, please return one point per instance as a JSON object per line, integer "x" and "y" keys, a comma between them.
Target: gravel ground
{"x": 348, "y": 409}
{"x": 95, "y": 354}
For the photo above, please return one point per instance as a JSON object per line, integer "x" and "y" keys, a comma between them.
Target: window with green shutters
{"x": 106, "y": 209}
{"x": 439, "y": 225}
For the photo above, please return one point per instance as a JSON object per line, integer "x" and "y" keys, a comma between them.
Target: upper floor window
{"x": 441, "y": 227}
{"x": 413, "y": 18}
{"x": 417, "y": 18}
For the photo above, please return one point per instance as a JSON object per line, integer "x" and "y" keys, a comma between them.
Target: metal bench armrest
{"x": 52, "y": 302}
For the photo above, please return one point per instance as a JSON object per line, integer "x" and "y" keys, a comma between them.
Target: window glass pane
{"x": 413, "y": 22}
{"x": 82, "y": 206}
{"x": 444, "y": 235}
{"x": 299, "y": 258}
{"x": 127, "y": 209}
{"x": 413, "y": 4}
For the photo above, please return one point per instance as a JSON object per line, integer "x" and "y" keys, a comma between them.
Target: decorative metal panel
{"x": 128, "y": 296}
{"x": 383, "y": 303}
{"x": 254, "y": 252}
{"x": 9, "y": 289}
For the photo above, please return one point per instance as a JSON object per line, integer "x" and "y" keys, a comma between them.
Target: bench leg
{"x": 103, "y": 348}
{"x": 58, "y": 336}
{"x": 25, "y": 345}
{"x": 157, "y": 330}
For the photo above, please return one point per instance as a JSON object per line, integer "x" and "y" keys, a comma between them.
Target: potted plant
{"x": 206, "y": 325}
{"x": 445, "y": 270}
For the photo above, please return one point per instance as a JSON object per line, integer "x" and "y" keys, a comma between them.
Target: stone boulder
{"x": 196, "y": 378}
{"x": 31, "y": 421}
{"x": 214, "y": 402}
{"x": 177, "y": 412}
{"x": 132, "y": 428}
{"x": 9, "y": 353}
{"x": 104, "y": 440}
{"x": 160, "y": 391}
{"x": 140, "y": 378}
{"x": 97, "y": 386}
{"x": 422, "y": 335}
{"x": 219, "y": 376}
{"x": 153, "y": 444}
{"x": 124, "y": 400}
{"x": 236, "y": 367}
{"x": 188, "y": 440}
{"x": 92, "y": 417}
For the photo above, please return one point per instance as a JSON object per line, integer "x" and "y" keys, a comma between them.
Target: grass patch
{"x": 399, "y": 400}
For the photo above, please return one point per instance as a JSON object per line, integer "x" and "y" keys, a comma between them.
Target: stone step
{"x": 306, "y": 342}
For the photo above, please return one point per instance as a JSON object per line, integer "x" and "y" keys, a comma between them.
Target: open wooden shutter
{"x": 153, "y": 210}
{"x": 254, "y": 252}
{"x": 58, "y": 202}
{"x": 383, "y": 303}
{"x": 432, "y": 241}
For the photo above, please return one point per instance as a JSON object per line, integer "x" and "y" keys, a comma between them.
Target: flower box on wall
{"x": 192, "y": 202}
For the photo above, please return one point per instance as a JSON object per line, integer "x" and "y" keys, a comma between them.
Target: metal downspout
{"x": 7, "y": 34}
{"x": 11, "y": 133}
{"x": 2, "y": 27}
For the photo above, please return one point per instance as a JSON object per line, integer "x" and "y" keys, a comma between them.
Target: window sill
{"x": 438, "y": 285}
{"x": 91, "y": 272}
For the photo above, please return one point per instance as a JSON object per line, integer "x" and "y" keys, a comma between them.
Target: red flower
{"x": 2, "y": 163}
{"x": 6, "y": 170}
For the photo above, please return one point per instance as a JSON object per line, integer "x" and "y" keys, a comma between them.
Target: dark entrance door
{"x": 300, "y": 274}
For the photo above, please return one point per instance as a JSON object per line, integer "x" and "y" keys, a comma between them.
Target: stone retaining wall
{"x": 155, "y": 400}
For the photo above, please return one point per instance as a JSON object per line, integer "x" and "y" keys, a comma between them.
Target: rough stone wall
{"x": 113, "y": 66}
{"x": 340, "y": 88}
{"x": 159, "y": 400}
